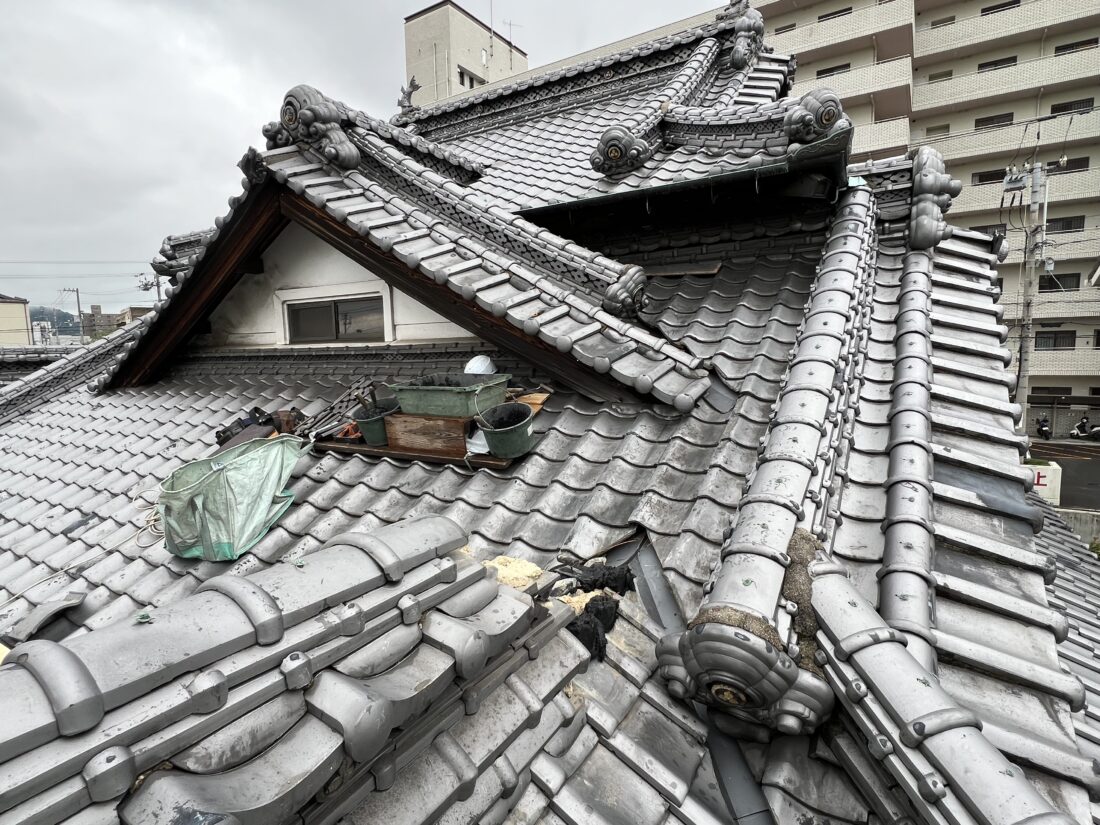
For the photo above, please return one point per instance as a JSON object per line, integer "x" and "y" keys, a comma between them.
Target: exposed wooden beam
{"x": 442, "y": 300}
{"x": 257, "y": 221}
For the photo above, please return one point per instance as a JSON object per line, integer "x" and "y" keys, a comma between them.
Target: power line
{"x": 35, "y": 275}
{"x": 70, "y": 262}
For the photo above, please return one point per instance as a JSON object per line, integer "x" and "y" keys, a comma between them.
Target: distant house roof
{"x": 8, "y": 299}
{"x": 781, "y": 397}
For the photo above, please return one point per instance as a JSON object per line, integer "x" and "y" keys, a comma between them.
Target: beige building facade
{"x": 15, "y": 322}
{"x": 990, "y": 84}
{"x": 448, "y": 50}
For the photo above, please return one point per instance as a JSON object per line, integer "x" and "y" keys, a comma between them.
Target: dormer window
{"x": 345, "y": 321}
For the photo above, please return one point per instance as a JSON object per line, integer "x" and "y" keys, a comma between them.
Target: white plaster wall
{"x": 299, "y": 266}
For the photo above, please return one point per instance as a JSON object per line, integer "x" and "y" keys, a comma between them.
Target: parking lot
{"x": 1080, "y": 462}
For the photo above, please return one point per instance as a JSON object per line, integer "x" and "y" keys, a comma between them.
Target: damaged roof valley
{"x": 793, "y": 424}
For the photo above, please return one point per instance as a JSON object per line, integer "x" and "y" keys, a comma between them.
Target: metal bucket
{"x": 373, "y": 425}
{"x": 508, "y": 429}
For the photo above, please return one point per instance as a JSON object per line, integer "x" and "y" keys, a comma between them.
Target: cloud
{"x": 124, "y": 120}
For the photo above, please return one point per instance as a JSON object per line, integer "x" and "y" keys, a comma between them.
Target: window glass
{"x": 1072, "y": 165}
{"x": 1051, "y": 391}
{"x": 1066, "y": 282}
{"x": 784, "y": 28}
{"x": 1074, "y": 223}
{"x": 311, "y": 322}
{"x": 988, "y": 176}
{"x": 942, "y": 21}
{"x": 936, "y": 77}
{"x": 1081, "y": 105}
{"x": 990, "y": 121}
{"x": 840, "y": 68}
{"x": 1003, "y": 6}
{"x": 1077, "y": 45}
{"x": 834, "y": 14}
{"x": 937, "y": 131}
{"x": 360, "y": 320}
{"x": 1064, "y": 339}
{"x": 999, "y": 63}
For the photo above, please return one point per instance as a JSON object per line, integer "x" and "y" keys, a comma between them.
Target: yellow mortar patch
{"x": 515, "y": 572}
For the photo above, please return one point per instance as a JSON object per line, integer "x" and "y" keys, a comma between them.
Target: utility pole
{"x": 1034, "y": 246}
{"x": 148, "y": 283}
{"x": 79, "y": 313}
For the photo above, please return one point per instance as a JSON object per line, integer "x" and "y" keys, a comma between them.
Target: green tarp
{"x": 216, "y": 508}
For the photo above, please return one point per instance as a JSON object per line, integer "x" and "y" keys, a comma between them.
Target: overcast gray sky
{"x": 123, "y": 120}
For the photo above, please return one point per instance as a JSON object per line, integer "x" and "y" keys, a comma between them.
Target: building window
{"x": 357, "y": 319}
{"x": 942, "y": 21}
{"x": 1068, "y": 282}
{"x": 469, "y": 80}
{"x": 991, "y": 228}
{"x": 1063, "y": 339}
{"x": 1052, "y": 391}
{"x": 1003, "y": 6}
{"x": 992, "y": 121}
{"x": 832, "y": 15}
{"x": 1075, "y": 223}
{"x": 1095, "y": 344}
{"x": 999, "y": 63}
{"x": 988, "y": 176}
{"x": 939, "y": 130}
{"x": 1072, "y": 165}
{"x": 840, "y": 68}
{"x": 1082, "y": 105}
{"x": 937, "y": 77}
{"x": 1077, "y": 46}
{"x": 786, "y": 27}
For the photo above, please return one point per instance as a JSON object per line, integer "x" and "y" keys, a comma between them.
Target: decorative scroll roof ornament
{"x": 749, "y": 33}
{"x": 252, "y": 164}
{"x": 404, "y": 101}
{"x": 933, "y": 190}
{"x": 309, "y": 116}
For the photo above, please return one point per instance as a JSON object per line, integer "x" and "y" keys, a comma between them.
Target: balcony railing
{"x": 863, "y": 22}
{"x": 1049, "y": 72}
{"x": 1080, "y": 360}
{"x": 1063, "y": 246}
{"x": 862, "y": 80}
{"x": 1080, "y": 303}
{"x": 1064, "y": 188}
{"x": 879, "y": 137}
{"x": 1005, "y": 139}
{"x": 982, "y": 31}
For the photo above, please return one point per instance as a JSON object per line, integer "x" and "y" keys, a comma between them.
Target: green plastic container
{"x": 372, "y": 426}
{"x": 456, "y": 394}
{"x": 508, "y": 428}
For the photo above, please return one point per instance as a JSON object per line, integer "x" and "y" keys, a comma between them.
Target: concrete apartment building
{"x": 449, "y": 50}
{"x": 991, "y": 84}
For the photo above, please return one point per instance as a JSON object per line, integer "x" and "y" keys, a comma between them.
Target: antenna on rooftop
{"x": 511, "y": 40}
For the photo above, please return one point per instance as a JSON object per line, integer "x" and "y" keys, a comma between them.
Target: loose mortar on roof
{"x": 797, "y": 586}
{"x": 732, "y": 617}
{"x": 515, "y": 572}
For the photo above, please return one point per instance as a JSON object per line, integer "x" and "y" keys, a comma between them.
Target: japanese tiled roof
{"x": 847, "y": 608}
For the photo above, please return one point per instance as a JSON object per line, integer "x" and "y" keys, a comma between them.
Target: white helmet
{"x": 481, "y": 365}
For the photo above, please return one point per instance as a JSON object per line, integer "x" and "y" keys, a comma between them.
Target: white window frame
{"x": 285, "y": 298}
